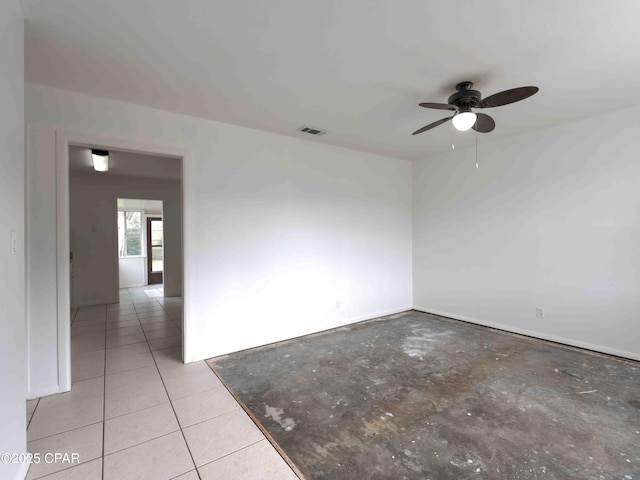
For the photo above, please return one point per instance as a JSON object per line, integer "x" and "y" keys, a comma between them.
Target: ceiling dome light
{"x": 464, "y": 121}
{"x": 100, "y": 160}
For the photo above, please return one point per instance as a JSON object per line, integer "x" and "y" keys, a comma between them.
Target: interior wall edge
{"x": 534, "y": 334}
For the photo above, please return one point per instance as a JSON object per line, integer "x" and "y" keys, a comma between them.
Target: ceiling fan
{"x": 466, "y": 99}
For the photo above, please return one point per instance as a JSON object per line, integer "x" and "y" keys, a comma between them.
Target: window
{"x": 129, "y": 234}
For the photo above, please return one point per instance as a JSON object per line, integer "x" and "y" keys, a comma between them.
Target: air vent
{"x": 311, "y": 131}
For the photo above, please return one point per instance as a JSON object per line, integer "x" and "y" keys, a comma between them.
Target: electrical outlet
{"x": 337, "y": 304}
{"x": 539, "y": 312}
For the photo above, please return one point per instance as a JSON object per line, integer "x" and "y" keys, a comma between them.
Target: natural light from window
{"x": 129, "y": 234}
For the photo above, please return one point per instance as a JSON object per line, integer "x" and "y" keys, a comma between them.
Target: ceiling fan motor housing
{"x": 465, "y": 97}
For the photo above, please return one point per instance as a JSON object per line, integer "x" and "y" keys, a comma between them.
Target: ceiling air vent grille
{"x": 311, "y": 130}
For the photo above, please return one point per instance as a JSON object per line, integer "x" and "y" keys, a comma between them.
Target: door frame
{"x": 65, "y": 138}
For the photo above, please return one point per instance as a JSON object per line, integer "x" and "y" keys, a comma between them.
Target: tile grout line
{"x": 34, "y": 411}
{"x": 105, "y": 317}
{"x": 104, "y": 400}
{"x": 49, "y": 475}
{"x": 194, "y": 470}
{"x": 144, "y": 304}
{"x": 171, "y": 317}
{"x": 73, "y": 320}
{"x": 146, "y": 441}
{"x": 65, "y": 431}
{"x": 258, "y": 424}
{"x": 76, "y": 428}
{"x": 235, "y": 451}
{"x": 207, "y": 419}
{"x": 172, "y": 407}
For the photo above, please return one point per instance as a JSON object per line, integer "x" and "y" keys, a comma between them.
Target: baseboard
{"x": 329, "y": 327}
{"x": 384, "y": 313}
{"x": 93, "y": 303}
{"x": 530, "y": 333}
{"x": 45, "y": 392}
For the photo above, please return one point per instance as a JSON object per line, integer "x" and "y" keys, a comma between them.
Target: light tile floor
{"x": 135, "y": 411}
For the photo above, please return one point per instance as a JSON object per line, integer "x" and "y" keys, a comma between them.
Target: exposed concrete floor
{"x": 415, "y": 396}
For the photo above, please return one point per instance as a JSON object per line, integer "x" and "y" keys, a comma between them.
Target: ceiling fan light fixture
{"x": 463, "y": 121}
{"x": 100, "y": 160}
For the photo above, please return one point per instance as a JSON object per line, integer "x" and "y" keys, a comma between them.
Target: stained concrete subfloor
{"x": 416, "y": 396}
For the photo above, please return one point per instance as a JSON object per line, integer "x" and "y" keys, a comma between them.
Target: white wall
{"x": 550, "y": 219}
{"x": 13, "y": 350}
{"x": 132, "y": 271}
{"x": 94, "y": 240}
{"x": 276, "y": 230}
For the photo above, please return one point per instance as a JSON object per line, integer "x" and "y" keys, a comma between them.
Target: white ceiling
{"x": 127, "y": 164}
{"x": 356, "y": 68}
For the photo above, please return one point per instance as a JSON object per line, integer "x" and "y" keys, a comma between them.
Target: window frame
{"x": 143, "y": 252}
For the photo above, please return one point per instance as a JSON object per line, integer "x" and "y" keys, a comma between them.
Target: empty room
{"x": 320, "y": 240}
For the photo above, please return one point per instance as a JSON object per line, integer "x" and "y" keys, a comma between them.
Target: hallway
{"x": 136, "y": 411}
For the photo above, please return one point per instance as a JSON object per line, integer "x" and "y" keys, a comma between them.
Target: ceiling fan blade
{"x": 484, "y": 123}
{"x": 432, "y": 125}
{"x": 507, "y": 97}
{"x": 438, "y": 106}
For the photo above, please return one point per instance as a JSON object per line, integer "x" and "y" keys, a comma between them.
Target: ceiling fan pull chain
{"x": 476, "y": 149}
{"x": 452, "y": 145}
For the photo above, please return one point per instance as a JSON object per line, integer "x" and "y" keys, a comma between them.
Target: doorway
{"x": 51, "y": 168}
{"x": 141, "y": 255}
